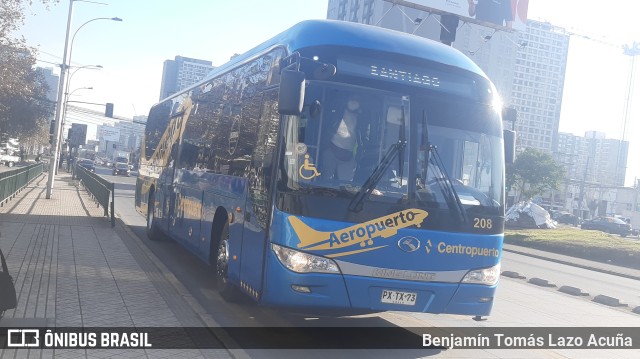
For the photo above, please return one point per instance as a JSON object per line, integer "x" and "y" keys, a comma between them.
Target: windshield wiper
{"x": 356, "y": 203}
{"x": 444, "y": 181}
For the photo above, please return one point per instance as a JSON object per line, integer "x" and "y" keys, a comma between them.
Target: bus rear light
{"x": 301, "y": 262}
{"x": 486, "y": 276}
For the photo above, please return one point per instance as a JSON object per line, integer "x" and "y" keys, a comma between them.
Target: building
{"x": 52, "y": 81}
{"x": 595, "y": 169}
{"x": 593, "y": 158}
{"x": 129, "y": 134}
{"x": 538, "y": 84}
{"x": 628, "y": 204}
{"x": 526, "y": 67}
{"x": 182, "y": 72}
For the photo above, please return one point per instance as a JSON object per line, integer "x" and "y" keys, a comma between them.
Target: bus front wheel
{"x": 152, "y": 229}
{"x": 226, "y": 289}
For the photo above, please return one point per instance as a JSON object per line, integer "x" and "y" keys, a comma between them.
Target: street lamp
{"x": 66, "y": 96}
{"x": 61, "y": 91}
{"x": 88, "y": 67}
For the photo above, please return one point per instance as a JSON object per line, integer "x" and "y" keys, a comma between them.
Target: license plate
{"x": 397, "y": 297}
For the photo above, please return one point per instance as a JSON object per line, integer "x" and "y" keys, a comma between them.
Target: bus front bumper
{"x": 322, "y": 292}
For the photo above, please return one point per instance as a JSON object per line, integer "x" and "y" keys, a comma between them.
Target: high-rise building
{"x": 182, "y": 72}
{"x": 538, "y": 84}
{"x": 593, "y": 159}
{"x": 52, "y": 81}
{"x": 526, "y": 67}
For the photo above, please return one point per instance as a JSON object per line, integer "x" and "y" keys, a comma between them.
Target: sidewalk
{"x": 72, "y": 269}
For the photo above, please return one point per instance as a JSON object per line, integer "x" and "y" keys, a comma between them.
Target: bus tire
{"x": 152, "y": 229}
{"x": 226, "y": 289}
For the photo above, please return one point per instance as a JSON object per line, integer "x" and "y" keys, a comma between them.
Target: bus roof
{"x": 312, "y": 33}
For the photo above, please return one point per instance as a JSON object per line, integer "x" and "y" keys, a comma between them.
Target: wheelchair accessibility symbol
{"x": 308, "y": 170}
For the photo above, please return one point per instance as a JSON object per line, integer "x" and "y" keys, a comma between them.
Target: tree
{"x": 534, "y": 172}
{"x": 12, "y": 14}
{"x": 23, "y": 107}
{"x": 23, "y": 103}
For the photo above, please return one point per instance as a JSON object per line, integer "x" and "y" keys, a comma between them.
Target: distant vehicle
{"x": 609, "y": 225}
{"x": 121, "y": 168}
{"x": 87, "y": 164}
{"x": 122, "y": 159}
{"x": 8, "y": 160}
{"x": 567, "y": 218}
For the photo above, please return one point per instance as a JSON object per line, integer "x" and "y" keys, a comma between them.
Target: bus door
{"x": 254, "y": 239}
{"x": 186, "y": 214}
{"x": 165, "y": 193}
{"x": 166, "y": 182}
{"x": 257, "y": 213}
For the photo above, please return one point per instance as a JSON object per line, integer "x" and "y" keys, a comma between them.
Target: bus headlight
{"x": 301, "y": 262}
{"x": 486, "y": 276}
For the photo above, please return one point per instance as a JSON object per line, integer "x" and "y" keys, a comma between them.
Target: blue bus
{"x": 336, "y": 167}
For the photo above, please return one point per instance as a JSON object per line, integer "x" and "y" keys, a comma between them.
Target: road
{"x": 591, "y": 282}
{"x": 518, "y": 304}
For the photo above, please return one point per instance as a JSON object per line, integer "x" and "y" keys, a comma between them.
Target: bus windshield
{"x": 348, "y": 135}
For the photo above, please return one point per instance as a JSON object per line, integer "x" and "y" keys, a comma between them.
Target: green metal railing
{"x": 100, "y": 189}
{"x": 12, "y": 182}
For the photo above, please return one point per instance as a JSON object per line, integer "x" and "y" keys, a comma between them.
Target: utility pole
{"x": 581, "y": 198}
{"x": 58, "y": 128}
{"x": 631, "y": 51}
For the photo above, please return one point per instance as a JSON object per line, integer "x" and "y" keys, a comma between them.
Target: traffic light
{"x": 108, "y": 111}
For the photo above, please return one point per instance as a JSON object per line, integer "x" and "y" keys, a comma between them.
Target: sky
{"x": 132, "y": 52}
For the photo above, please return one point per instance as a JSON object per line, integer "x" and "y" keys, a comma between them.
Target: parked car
{"x": 568, "y": 218}
{"x": 609, "y": 225}
{"x": 121, "y": 168}
{"x": 9, "y": 160}
{"x": 87, "y": 164}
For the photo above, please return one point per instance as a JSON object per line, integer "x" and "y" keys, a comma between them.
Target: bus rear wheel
{"x": 152, "y": 229}
{"x": 227, "y": 290}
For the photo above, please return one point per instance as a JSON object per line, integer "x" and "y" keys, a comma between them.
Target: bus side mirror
{"x": 291, "y": 96}
{"x": 509, "y": 146}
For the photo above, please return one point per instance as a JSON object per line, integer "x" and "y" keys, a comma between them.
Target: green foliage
{"x": 575, "y": 242}
{"x": 12, "y": 14}
{"x": 23, "y": 103}
{"x": 533, "y": 172}
{"x": 23, "y": 106}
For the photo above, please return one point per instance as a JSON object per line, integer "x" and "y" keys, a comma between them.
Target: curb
{"x": 610, "y": 301}
{"x": 512, "y": 274}
{"x": 184, "y": 293}
{"x": 560, "y": 261}
{"x": 542, "y": 282}
{"x": 573, "y": 291}
{"x": 577, "y": 292}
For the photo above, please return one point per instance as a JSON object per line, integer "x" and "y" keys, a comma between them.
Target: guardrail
{"x": 100, "y": 189}
{"x": 12, "y": 182}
